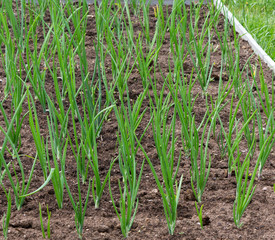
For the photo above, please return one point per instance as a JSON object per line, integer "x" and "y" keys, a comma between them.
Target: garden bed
{"x": 150, "y": 222}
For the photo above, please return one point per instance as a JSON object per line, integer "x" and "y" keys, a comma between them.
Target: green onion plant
{"x": 199, "y": 212}
{"x": 79, "y": 206}
{"x": 245, "y": 189}
{"x": 222, "y": 144}
{"x": 48, "y": 222}
{"x": 231, "y": 143}
{"x": 77, "y": 14}
{"x": 19, "y": 186}
{"x": 201, "y": 61}
{"x": 199, "y": 171}
{"x": 165, "y": 142}
{"x": 128, "y": 118}
{"x": 59, "y": 151}
{"x": 14, "y": 134}
{"x": 265, "y": 127}
{"x": 7, "y": 215}
{"x": 248, "y": 108}
{"x": 243, "y": 195}
{"x": 34, "y": 62}
{"x": 38, "y": 138}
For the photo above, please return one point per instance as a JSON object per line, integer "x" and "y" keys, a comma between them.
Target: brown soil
{"x": 150, "y": 221}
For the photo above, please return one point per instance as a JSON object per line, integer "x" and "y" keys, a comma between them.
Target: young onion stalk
{"x": 13, "y": 66}
{"x": 14, "y": 134}
{"x": 38, "y": 138}
{"x": 265, "y": 127}
{"x": 267, "y": 100}
{"x": 201, "y": 64}
{"x": 128, "y": 119}
{"x": 96, "y": 116}
{"x": 7, "y": 215}
{"x": 58, "y": 143}
{"x": 97, "y": 185}
{"x": 243, "y": 196}
{"x": 144, "y": 62}
{"x": 19, "y": 186}
{"x": 19, "y": 189}
{"x": 184, "y": 103}
{"x": 77, "y": 14}
{"x": 199, "y": 172}
{"x": 79, "y": 206}
{"x": 120, "y": 49}
{"x": 103, "y": 16}
{"x": 165, "y": 142}
{"x": 48, "y": 222}
{"x": 248, "y": 107}
{"x": 264, "y": 135}
{"x": 12, "y": 58}
{"x": 95, "y": 111}
{"x": 245, "y": 190}
{"x": 233, "y": 145}
{"x": 199, "y": 212}
{"x": 34, "y": 59}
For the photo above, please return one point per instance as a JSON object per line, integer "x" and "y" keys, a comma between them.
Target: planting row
{"x": 44, "y": 50}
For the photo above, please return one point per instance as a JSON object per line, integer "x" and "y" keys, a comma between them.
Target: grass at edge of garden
{"x": 258, "y": 17}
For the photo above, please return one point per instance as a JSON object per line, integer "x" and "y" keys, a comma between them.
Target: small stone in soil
{"x": 189, "y": 195}
{"x": 103, "y": 228}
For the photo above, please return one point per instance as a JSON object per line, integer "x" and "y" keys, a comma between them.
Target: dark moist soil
{"x": 150, "y": 221}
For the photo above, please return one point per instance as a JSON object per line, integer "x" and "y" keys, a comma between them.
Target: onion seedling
{"x": 243, "y": 195}
{"x": 232, "y": 145}
{"x": 177, "y": 27}
{"x": 102, "y": 15}
{"x": 90, "y": 148}
{"x": 144, "y": 62}
{"x": 199, "y": 212}
{"x": 48, "y": 222}
{"x": 245, "y": 190}
{"x": 222, "y": 144}
{"x": 77, "y": 14}
{"x": 120, "y": 50}
{"x": 7, "y": 215}
{"x": 91, "y": 131}
{"x": 41, "y": 7}
{"x": 13, "y": 65}
{"x": 16, "y": 20}
{"x": 128, "y": 120}
{"x": 11, "y": 24}
{"x": 62, "y": 45}
{"x": 78, "y": 206}
{"x": 199, "y": 172}
{"x": 201, "y": 64}
{"x": 20, "y": 187}
{"x": 145, "y": 21}
{"x": 38, "y": 138}
{"x": 58, "y": 138}
{"x": 267, "y": 105}
{"x": 248, "y": 107}
{"x": 163, "y": 133}
{"x": 264, "y": 134}
{"x": 58, "y": 159}
{"x": 34, "y": 59}
{"x": 14, "y": 134}
{"x": 183, "y": 106}
{"x": 91, "y": 124}
{"x": 136, "y": 5}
